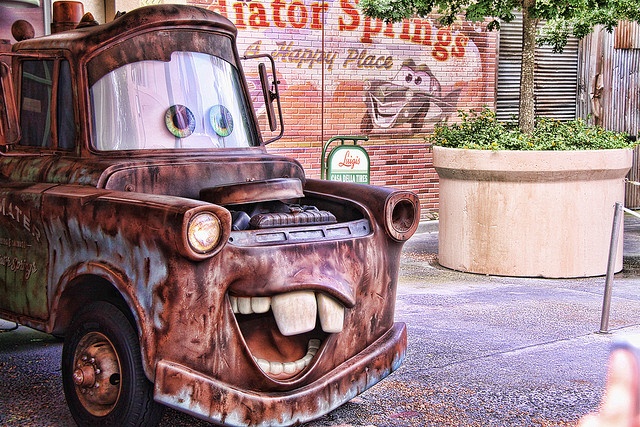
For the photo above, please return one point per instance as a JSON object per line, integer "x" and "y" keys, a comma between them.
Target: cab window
{"x": 43, "y": 117}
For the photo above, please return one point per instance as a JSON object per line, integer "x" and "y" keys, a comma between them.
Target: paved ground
{"x": 483, "y": 351}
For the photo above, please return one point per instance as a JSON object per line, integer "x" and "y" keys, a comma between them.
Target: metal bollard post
{"x": 606, "y": 302}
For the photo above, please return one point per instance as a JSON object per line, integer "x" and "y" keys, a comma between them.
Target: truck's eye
{"x": 221, "y": 120}
{"x": 180, "y": 121}
{"x": 204, "y": 232}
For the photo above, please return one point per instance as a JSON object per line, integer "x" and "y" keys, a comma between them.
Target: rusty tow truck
{"x": 143, "y": 220}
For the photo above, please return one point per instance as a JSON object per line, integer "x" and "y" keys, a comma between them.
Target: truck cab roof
{"x": 82, "y": 41}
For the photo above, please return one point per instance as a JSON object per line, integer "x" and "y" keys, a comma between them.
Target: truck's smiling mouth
{"x": 282, "y": 332}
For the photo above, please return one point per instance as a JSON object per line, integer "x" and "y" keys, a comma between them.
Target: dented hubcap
{"x": 97, "y": 374}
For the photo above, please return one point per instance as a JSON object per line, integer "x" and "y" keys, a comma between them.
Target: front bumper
{"x": 204, "y": 397}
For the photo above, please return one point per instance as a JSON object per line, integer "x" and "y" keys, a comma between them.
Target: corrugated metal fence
{"x": 609, "y": 87}
{"x": 555, "y": 76}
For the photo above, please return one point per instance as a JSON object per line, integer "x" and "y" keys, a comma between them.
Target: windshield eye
{"x": 221, "y": 120}
{"x": 418, "y": 81}
{"x": 408, "y": 78}
{"x": 180, "y": 121}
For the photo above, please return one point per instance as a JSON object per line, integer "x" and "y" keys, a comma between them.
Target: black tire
{"x": 102, "y": 376}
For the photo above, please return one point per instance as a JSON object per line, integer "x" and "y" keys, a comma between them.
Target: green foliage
{"x": 482, "y": 131}
{"x": 578, "y": 18}
{"x": 562, "y": 17}
{"x": 449, "y": 10}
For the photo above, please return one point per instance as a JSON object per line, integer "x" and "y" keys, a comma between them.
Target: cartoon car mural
{"x": 405, "y": 99}
{"x": 142, "y": 218}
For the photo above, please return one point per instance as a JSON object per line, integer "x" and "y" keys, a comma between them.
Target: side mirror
{"x": 268, "y": 96}
{"x": 268, "y": 91}
{"x": 9, "y": 125}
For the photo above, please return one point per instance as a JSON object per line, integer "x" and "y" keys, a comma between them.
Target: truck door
{"x": 47, "y": 130}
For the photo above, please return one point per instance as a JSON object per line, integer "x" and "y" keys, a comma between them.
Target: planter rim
{"x": 446, "y": 158}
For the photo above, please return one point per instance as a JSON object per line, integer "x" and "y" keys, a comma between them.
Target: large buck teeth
{"x": 331, "y": 314}
{"x": 295, "y": 312}
{"x": 290, "y": 368}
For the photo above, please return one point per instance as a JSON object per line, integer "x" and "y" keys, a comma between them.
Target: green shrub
{"x": 483, "y": 131}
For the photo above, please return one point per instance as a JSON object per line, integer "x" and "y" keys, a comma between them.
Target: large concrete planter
{"x": 529, "y": 213}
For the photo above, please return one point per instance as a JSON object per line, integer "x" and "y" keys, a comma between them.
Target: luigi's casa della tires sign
{"x": 348, "y": 163}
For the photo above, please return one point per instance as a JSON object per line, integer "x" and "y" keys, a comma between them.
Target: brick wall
{"x": 357, "y": 76}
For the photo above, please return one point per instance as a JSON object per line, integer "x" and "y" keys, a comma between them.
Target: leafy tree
{"x": 562, "y": 18}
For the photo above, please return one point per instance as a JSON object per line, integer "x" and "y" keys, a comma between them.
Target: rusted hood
{"x": 177, "y": 176}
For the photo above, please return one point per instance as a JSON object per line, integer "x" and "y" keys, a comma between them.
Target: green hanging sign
{"x": 347, "y": 162}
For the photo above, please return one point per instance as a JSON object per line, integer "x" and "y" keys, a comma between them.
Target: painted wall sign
{"x": 345, "y": 73}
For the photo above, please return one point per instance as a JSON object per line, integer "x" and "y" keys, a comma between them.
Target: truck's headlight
{"x": 204, "y": 231}
{"x": 402, "y": 215}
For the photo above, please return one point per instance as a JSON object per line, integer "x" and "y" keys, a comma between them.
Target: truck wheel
{"x": 102, "y": 374}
